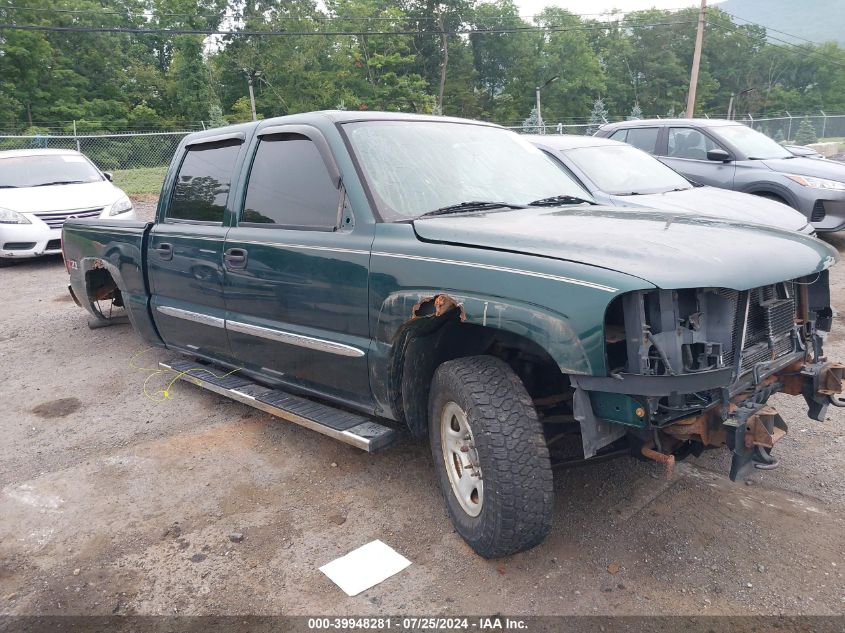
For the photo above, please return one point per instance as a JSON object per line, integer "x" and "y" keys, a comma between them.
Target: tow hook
{"x": 763, "y": 459}
{"x": 667, "y": 460}
{"x": 821, "y": 382}
{"x": 753, "y": 430}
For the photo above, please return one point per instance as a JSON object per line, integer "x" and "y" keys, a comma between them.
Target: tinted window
{"x": 644, "y": 138}
{"x": 290, "y": 185}
{"x": 619, "y": 135}
{"x": 203, "y": 182}
{"x": 685, "y": 142}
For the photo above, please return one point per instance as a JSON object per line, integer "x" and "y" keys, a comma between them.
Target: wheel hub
{"x": 461, "y": 459}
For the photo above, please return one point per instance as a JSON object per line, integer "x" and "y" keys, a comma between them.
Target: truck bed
{"x": 106, "y": 260}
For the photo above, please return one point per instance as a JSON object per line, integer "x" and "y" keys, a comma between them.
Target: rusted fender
{"x": 550, "y": 330}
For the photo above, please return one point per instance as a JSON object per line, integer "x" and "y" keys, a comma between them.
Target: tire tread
{"x": 512, "y": 450}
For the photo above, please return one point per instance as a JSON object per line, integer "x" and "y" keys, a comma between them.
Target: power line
{"x": 798, "y": 50}
{"x": 768, "y": 28}
{"x": 320, "y": 18}
{"x": 208, "y": 32}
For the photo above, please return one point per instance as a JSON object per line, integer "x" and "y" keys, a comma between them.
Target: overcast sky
{"x": 532, "y": 7}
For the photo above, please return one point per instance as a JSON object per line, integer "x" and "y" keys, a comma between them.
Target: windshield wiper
{"x": 472, "y": 205}
{"x": 8, "y": 186}
{"x": 60, "y": 182}
{"x": 556, "y": 201}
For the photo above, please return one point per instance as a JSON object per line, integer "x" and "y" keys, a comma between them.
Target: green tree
{"x": 598, "y": 116}
{"x": 636, "y": 113}
{"x": 806, "y": 133}
{"x": 531, "y": 125}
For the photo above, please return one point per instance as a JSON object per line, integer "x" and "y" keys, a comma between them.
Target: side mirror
{"x": 109, "y": 176}
{"x": 718, "y": 155}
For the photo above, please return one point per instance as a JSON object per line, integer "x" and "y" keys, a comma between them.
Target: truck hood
{"x": 721, "y": 203}
{"x": 668, "y": 250}
{"x": 87, "y": 195}
{"x": 820, "y": 168}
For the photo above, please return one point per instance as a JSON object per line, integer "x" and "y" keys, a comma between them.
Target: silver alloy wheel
{"x": 461, "y": 459}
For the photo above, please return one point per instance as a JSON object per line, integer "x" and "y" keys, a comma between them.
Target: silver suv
{"x": 730, "y": 155}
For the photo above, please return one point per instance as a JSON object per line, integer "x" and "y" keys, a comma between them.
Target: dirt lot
{"x": 113, "y": 500}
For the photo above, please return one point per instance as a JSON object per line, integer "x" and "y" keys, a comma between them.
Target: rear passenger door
{"x": 297, "y": 269}
{"x": 644, "y": 138}
{"x": 686, "y": 153}
{"x": 185, "y": 256}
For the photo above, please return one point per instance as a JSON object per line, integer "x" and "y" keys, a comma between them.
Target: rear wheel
{"x": 490, "y": 456}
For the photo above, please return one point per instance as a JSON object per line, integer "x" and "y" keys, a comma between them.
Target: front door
{"x": 185, "y": 255}
{"x": 297, "y": 270}
{"x": 686, "y": 153}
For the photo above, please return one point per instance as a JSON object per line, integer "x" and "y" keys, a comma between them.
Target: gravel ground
{"x": 114, "y": 500}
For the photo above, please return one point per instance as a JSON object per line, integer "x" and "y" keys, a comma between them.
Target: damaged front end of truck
{"x": 695, "y": 369}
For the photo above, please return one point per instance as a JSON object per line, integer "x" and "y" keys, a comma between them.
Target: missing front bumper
{"x": 748, "y": 426}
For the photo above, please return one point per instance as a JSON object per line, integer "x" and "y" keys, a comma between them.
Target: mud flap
{"x": 595, "y": 433}
{"x": 748, "y": 428}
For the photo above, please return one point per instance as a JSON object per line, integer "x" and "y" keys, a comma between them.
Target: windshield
{"x": 413, "y": 167}
{"x": 622, "y": 169}
{"x": 750, "y": 142}
{"x": 42, "y": 169}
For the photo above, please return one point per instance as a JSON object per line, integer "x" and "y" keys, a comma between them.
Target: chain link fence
{"x": 138, "y": 161}
{"x": 783, "y": 129}
{"x": 555, "y": 128}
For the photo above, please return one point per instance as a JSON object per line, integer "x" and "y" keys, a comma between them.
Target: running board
{"x": 350, "y": 428}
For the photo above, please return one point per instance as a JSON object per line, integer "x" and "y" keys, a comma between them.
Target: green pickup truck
{"x": 362, "y": 274}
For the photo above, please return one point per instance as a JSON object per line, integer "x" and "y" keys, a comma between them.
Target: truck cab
{"x": 366, "y": 274}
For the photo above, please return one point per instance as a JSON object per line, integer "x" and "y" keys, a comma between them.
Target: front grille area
{"x": 771, "y": 320}
{"x": 55, "y": 219}
{"x": 18, "y": 246}
{"x": 818, "y": 212}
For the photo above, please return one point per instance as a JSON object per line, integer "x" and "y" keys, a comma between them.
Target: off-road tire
{"x": 516, "y": 512}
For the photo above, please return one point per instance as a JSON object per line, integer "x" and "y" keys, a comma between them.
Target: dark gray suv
{"x": 731, "y": 155}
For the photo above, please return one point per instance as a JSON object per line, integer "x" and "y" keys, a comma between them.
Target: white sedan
{"x": 40, "y": 189}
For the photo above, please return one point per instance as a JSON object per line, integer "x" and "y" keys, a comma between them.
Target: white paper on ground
{"x": 365, "y": 567}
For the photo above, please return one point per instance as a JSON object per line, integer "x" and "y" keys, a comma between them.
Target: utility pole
{"x": 250, "y": 78}
{"x": 696, "y": 60}
{"x": 445, "y": 44}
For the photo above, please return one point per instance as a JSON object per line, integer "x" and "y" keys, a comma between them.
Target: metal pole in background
{"x": 537, "y": 90}
{"x": 76, "y": 138}
{"x": 730, "y": 106}
{"x": 789, "y": 133}
{"x": 249, "y": 79}
{"x": 824, "y": 122}
{"x": 696, "y": 61}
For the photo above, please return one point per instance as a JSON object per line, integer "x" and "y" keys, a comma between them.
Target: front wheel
{"x": 490, "y": 456}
